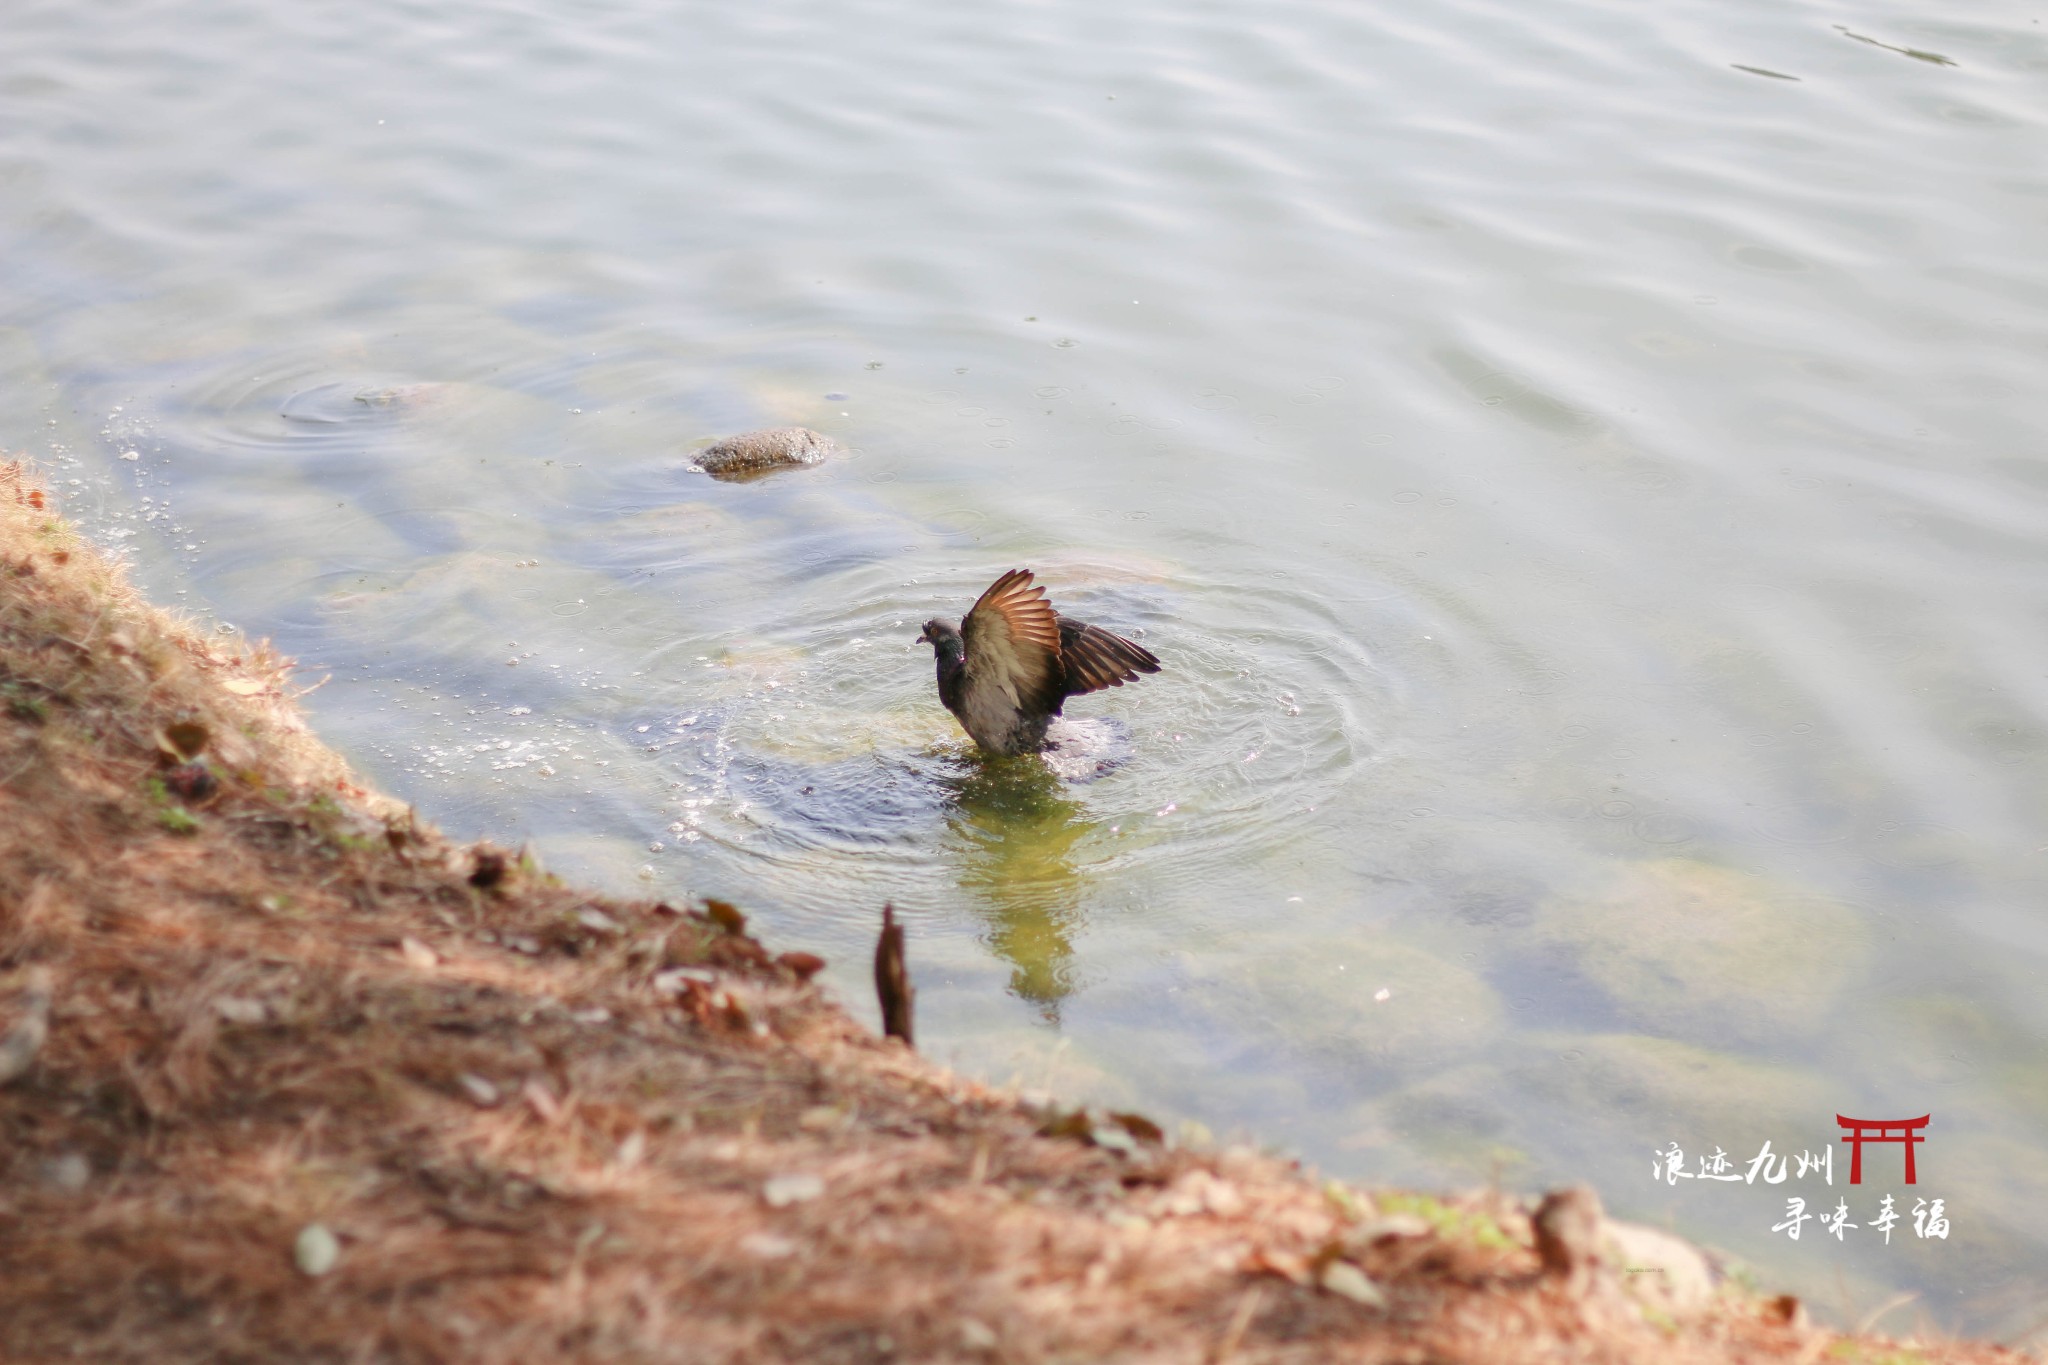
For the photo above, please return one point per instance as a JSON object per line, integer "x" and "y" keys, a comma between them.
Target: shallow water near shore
{"x": 1581, "y": 468}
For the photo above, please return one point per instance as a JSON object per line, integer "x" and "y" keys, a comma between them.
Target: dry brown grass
{"x": 543, "y": 1125}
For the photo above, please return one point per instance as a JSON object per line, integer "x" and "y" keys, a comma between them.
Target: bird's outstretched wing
{"x": 1013, "y": 642}
{"x": 1095, "y": 658}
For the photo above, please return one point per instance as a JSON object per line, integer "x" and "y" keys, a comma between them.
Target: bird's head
{"x": 942, "y": 636}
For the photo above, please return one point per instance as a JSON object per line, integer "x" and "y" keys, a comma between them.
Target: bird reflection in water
{"x": 1014, "y": 827}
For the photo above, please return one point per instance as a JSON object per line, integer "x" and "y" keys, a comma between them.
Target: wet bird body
{"x": 1009, "y": 667}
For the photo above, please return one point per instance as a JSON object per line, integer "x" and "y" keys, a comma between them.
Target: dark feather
{"x": 1096, "y": 659}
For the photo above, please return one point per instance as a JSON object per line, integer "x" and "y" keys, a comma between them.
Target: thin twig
{"x": 1240, "y": 1323}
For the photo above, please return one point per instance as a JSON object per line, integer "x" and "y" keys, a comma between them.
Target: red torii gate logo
{"x": 1880, "y": 1130}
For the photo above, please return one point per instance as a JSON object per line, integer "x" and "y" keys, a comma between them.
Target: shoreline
{"x": 284, "y": 1073}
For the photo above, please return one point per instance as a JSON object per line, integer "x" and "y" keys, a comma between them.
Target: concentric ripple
{"x": 834, "y": 753}
{"x": 302, "y": 408}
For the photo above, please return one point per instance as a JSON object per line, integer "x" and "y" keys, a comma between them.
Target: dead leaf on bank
{"x": 488, "y": 867}
{"x": 1115, "y": 1132}
{"x": 1390, "y": 1228}
{"x": 1335, "y": 1275}
{"x": 241, "y": 1010}
{"x": 1199, "y": 1192}
{"x": 244, "y": 687}
{"x": 541, "y": 1100}
{"x": 1140, "y": 1127}
{"x": 805, "y": 965}
{"x": 1347, "y": 1281}
{"x": 479, "y": 1090}
{"x": 822, "y": 1118}
{"x": 192, "y": 783}
{"x": 679, "y": 980}
{"x": 183, "y": 740}
{"x": 1074, "y": 1124}
{"x": 725, "y": 915}
{"x": 898, "y": 998}
{"x": 1285, "y": 1264}
{"x": 783, "y": 1190}
{"x": 631, "y": 1150}
{"x": 1111, "y": 1138}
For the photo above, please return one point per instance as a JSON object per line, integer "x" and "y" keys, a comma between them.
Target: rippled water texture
{"x": 1581, "y": 465}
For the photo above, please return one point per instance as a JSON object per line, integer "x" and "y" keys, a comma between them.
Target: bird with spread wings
{"x": 1010, "y": 666}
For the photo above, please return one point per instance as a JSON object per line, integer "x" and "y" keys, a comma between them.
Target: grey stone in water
{"x": 751, "y": 454}
{"x": 401, "y": 395}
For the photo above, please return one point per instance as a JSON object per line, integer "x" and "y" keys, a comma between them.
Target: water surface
{"x": 1581, "y": 465}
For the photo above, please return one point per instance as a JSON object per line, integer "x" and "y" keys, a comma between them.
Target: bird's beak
{"x": 924, "y": 637}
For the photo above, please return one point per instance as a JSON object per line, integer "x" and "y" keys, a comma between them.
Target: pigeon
{"x": 1006, "y": 670}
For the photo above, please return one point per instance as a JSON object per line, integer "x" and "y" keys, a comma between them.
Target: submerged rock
{"x": 405, "y": 396}
{"x": 1686, "y": 948}
{"x": 1434, "y": 1010}
{"x": 752, "y": 454}
{"x": 1628, "y": 1084}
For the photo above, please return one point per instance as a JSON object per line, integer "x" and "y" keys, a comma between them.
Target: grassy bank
{"x": 285, "y": 1075}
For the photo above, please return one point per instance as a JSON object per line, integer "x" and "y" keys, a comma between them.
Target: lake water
{"x": 1580, "y": 463}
